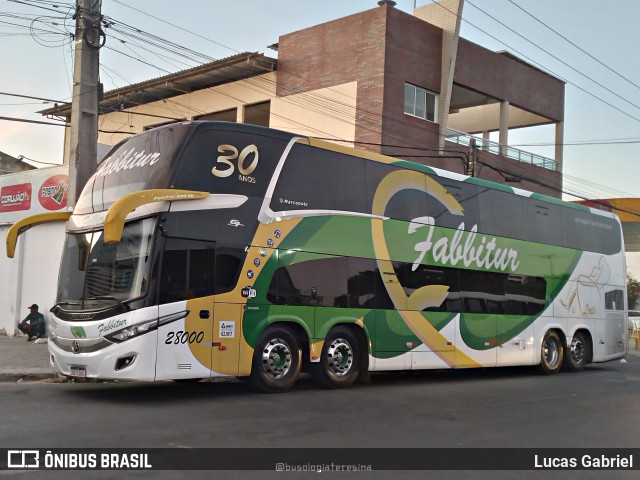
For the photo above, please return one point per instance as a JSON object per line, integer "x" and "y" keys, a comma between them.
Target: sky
{"x": 601, "y": 69}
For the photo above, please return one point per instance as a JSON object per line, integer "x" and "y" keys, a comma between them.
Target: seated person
{"x": 33, "y": 324}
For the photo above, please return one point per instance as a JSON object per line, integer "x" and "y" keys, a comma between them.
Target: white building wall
{"x": 31, "y": 275}
{"x": 8, "y": 279}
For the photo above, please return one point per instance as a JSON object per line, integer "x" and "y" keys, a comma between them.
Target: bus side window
{"x": 614, "y": 300}
{"x": 308, "y": 171}
{"x": 174, "y": 276}
{"x": 543, "y": 222}
{"x": 318, "y": 282}
{"x": 500, "y": 213}
{"x": 525, "y": 295}
{"x": 406, "y": 204}
{"x": 483, "y": 292}
{"x": 363, "y": 276}
{"x": 466, "y": 194}
{"x": 228, "y": 264}
{"x": 187, "y": 270}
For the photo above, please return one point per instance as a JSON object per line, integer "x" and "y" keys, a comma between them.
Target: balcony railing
{"x": 462, "y": 138}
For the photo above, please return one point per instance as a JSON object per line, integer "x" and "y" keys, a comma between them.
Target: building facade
{"x": 382, "y": 80}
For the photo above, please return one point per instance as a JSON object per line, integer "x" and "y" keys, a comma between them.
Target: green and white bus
{"x": 206, "y": 249}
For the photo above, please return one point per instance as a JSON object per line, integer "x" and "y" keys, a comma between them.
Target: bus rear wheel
{"x": 339, "y": 364}
{"x": 276, "y": 361}
{"x": 551, "y": 353}
{"x": 578, "y": 354}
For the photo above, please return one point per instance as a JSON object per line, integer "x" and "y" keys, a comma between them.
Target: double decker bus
{"x": 206, "y": 249}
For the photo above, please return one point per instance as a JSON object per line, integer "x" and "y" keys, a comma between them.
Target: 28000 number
{"x": 180, "y": 337}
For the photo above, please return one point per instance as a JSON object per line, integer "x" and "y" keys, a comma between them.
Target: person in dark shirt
{"x": 33, "y": 324}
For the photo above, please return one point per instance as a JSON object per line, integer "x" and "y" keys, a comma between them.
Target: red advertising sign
{"x": 53, "y": 192}
{"x": 15, "y": 197}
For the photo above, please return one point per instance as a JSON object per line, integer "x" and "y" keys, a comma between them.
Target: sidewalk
{"x": 24, "y": 360}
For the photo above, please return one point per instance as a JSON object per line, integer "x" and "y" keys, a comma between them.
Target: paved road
{"x": 512, "y": 407}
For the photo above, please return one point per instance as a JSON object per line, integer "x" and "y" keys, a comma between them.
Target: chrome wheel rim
{"x": 276, "y": 358}
{"x": 551, "y": 353}
{"x": 340, "y": 357}
{"x": 577, "y": 350}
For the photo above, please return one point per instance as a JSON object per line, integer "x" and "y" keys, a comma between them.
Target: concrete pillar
{"x": 504, "y": 127}
{"x": 486, "y": 138}
{"x": 559, "y": 145}
{"x": 240, "y": 113}
{"x": 446, "y": 14}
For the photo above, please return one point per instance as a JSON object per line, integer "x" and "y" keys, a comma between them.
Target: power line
{"x": 205, "y": 38}
{"x": 176, "y": 26}
{"x": 38, "y": 122}
{"x": 541, "y": 66}
{"x": 22, "y": 158}
{"x": 554, "y": 56}
{"x": 48, "y": 100}
{"x": 255, "y": 82}
{"x": 576, "y": 46}
{"x": 539, "y": 182}
{"x": 260, "y": 80}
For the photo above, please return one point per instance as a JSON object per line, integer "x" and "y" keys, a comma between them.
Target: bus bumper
{"x": 134, "y": 359}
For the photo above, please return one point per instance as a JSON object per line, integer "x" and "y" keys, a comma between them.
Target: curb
{"x": 26, "y": 377}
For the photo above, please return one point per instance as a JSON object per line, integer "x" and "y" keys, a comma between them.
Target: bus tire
{"x": 339, "y": 364}
{"x": 551, "y": 353}
{"x": 276, "y": 361}
{"x": 578, "y": 353}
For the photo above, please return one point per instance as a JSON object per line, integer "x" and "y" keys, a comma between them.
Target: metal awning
{"x": 230, "y": 69}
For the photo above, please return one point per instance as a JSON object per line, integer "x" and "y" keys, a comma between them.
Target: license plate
{"x": 78, "y": 371}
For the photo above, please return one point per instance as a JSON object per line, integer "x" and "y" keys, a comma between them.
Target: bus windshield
{"x": 96, "y": 275}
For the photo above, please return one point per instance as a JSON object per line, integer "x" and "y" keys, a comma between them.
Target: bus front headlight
{"x": 133, "y": 331}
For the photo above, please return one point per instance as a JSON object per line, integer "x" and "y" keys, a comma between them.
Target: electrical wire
{"x": 174, "y": 48}
{"x": 612, "y": 70}
{"x": 541, "y": 66}
{"x": 590, "y": 78}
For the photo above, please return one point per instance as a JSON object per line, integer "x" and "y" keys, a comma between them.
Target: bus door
{"x": 229, "y": 306}
{"x": 186, "y": 309}
{"x": 613, "y": 328}
{"x": 225, "y": 345}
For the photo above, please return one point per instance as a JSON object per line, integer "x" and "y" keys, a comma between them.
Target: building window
{"x": 258, "y": 114}
{"x": 230, "y": 115}
{"x": 420, "y": 102}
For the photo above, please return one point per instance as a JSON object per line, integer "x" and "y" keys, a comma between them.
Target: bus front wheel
{"x": 578, "y": 354}
{"x": 551, "y": 353}
{"x": 339, "y": 364}
{"x": 276, "y": 361}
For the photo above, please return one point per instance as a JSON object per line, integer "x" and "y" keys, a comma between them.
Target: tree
{"x": 633, "y": 292}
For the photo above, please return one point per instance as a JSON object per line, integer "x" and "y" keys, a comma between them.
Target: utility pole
{"x": 471, "y": 158}
{"x": 87, "y": 91}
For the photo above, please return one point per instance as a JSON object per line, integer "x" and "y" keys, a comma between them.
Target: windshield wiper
{"x": 120, "y": 303}
{"x": 68, "y": 303}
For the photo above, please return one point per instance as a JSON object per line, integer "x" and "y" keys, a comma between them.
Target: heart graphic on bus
{"x": 410, "y": 306}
